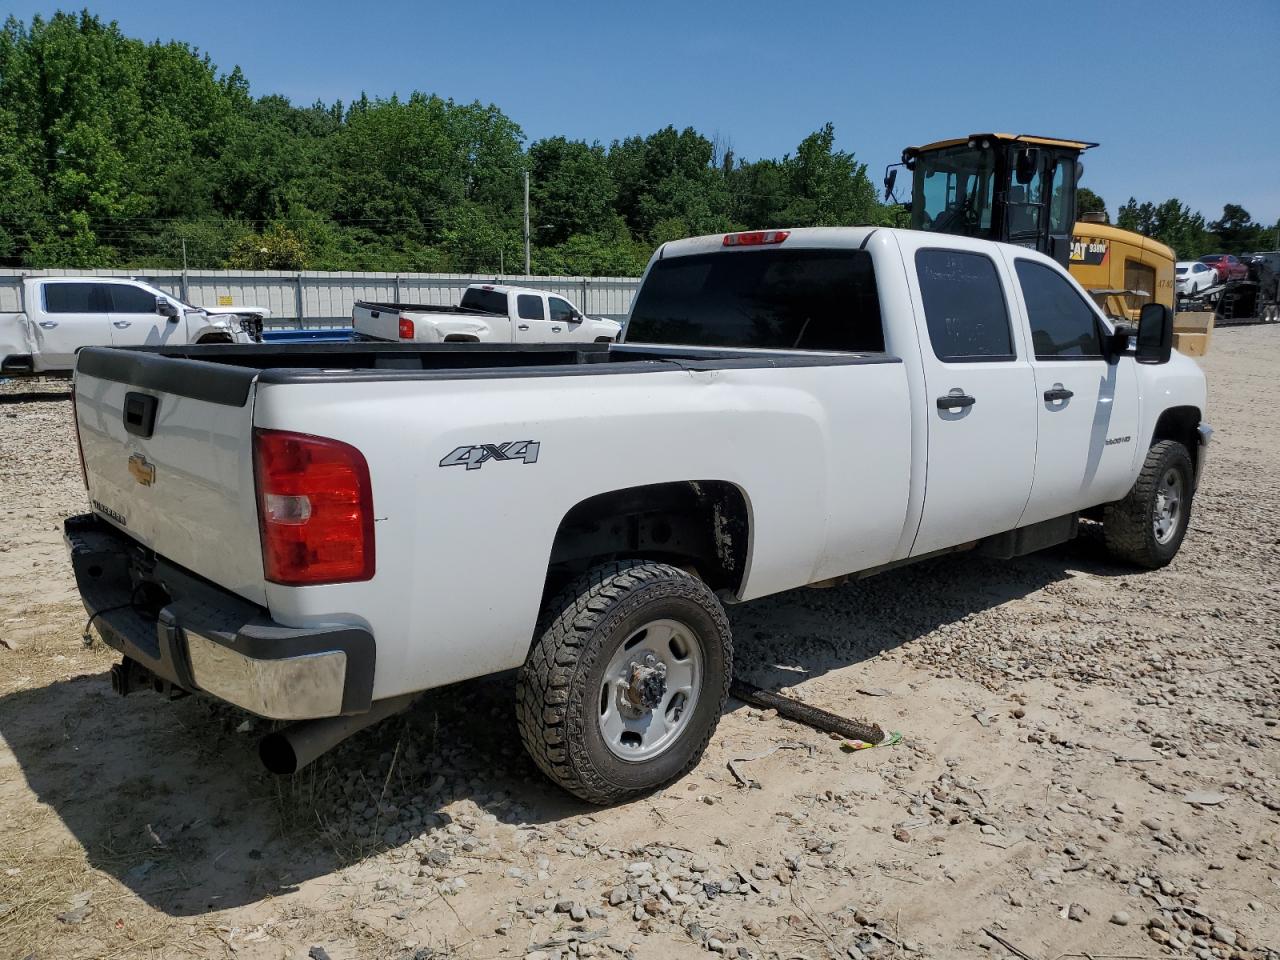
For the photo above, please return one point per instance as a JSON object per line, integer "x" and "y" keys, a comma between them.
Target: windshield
{"x": 779, "y": 299}
{"x": 952, "y": 189}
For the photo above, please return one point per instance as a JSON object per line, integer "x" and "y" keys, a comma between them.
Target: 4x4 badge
{"x": 477, "y": 455}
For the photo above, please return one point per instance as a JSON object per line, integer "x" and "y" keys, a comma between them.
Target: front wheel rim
{"x": 650, "y": 690}
{"x": 1169, "y": 505}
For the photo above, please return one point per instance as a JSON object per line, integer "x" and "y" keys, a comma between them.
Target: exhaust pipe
{"x": 289, "y": 750}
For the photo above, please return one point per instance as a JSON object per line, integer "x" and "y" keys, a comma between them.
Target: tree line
{"x": 115, "y": 153}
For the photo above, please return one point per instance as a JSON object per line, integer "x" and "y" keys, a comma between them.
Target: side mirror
{"x": 890, "y": 179}
{"x": 1155, "y": 334}
{"x": 166, "y": 308}
{"x": 1027, "y": 164}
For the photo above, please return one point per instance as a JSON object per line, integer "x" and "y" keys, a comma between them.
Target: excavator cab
{"x": 998, "y": 186}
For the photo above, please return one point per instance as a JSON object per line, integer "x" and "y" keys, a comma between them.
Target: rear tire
{"x": 593, "y": 702}
{"x": 1147, "y": 527}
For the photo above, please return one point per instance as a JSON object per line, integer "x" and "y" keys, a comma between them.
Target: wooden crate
{"x": 1192, "y": 332}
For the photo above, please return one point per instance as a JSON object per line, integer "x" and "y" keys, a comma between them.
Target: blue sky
{"x": 1182, "y": 96}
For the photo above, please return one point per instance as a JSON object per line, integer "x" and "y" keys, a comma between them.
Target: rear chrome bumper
{"x": 200, "y": 637}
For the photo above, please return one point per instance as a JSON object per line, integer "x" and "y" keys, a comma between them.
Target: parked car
{"x": 62, "y": 314}
{"x": 488, "y": 313}
{"x": 317, "y": 532}
{"x": 1227, "y": 265}
{"x": 1192, "y": 276}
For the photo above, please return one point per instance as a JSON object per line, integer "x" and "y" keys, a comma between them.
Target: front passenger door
{"x": 566, "y": 322}
{"x": 134, "y": 319}
{"x": 1086, "y": 407}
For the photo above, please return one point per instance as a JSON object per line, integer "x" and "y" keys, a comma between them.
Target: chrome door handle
{"x": 523, "y": 326}
{"x": 48, "y": 324}
{"x": 1059, "y": 392}
{"x": 555, "y": 329}
{"x": 121, "y": 324}
{"x": 955, "y": 401}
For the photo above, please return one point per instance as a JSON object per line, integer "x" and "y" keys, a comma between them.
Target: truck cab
{"x": 487, "y": 313}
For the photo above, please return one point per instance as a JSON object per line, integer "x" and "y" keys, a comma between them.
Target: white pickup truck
{"x": 62, "y": 314}
{"x": 319, "y": 532}
{"x": 488, "y": 313}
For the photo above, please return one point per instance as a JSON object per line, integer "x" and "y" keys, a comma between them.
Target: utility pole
{"x": 185, "y": 295}
{"x": 526, "y": 224}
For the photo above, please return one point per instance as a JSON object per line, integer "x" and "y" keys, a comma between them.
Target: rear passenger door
{"x": 532, "y": 324}
{"x": 134, "y": 320}
{"x": 979, "y": 390}
{"x": 1086, "y": 407}
{"x": 72, "y": 314}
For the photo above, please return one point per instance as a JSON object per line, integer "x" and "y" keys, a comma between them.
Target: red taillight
{"x": 75, "y": 425}
{"x": 315, "y": 509}
{"x": 406, "y": 328}
{"x": 755, "y": 238}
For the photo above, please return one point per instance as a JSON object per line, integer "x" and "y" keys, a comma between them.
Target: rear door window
{"x": 529, "y": 306}
{"x": 964, "y": 306}
{"x": 76, "y": 298}
{"x": 776, "y": 299}
{"x": 1063, "y": 326}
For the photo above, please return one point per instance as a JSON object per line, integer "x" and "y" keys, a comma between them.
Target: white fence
{"x": 321, "y": 299}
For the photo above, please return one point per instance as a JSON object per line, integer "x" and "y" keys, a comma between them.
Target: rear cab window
{"x": 485, "y": 301}
{"x": 797, "y": 299}
{"x": 964, "y": 306}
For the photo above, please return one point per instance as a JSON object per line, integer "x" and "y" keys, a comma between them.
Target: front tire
{"x": 625, "y": 684}
{"x": 1147, "y": 527}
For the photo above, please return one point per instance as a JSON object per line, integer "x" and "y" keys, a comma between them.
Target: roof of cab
{"x": 1026, "y": 138}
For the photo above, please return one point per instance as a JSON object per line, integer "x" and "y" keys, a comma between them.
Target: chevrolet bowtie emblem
{"x": 142, "y": 471}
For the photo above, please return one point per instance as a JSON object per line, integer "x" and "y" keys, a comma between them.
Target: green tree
{"x": 1089, "y": 202}
{"x": 276, "y": 248}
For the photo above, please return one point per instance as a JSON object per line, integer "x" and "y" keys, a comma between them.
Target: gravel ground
{"x": 1090, "y": 767}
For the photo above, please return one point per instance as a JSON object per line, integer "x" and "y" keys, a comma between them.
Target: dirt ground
{"x": 1089, "y": 767}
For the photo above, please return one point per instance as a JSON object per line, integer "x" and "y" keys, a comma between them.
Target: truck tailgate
{"x": 378, "y": 320}
{"x": 168, "y": 456}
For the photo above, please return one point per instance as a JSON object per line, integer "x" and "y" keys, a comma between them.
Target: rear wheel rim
{"x": 1169, "y": 504}
{"x": 650, "y": 690}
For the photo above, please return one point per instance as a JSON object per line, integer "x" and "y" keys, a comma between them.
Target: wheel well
{"x": 1180, "y": 424}
{"x": 214, "y": 338}
{"x": 460, "y": 338}
{"x": 703, "y": 525}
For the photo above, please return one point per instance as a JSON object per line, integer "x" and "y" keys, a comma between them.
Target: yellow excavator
{"x": 1021, "y": 189}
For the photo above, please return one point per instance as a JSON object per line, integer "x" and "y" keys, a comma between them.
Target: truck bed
{"x": 390, "y": 307}
{"x": 229, "y": 370}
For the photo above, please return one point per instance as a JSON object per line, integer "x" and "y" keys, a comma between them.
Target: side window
{"x": 1062, "y": 324}
{"x": 1061, "y": 186}
{"x": 130, "y": 299}
{"x": 964, "y": 306}
{"x": 529, "y": 307}
{"x": 76, "y": 298}
{"x": 560, "y": 309}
